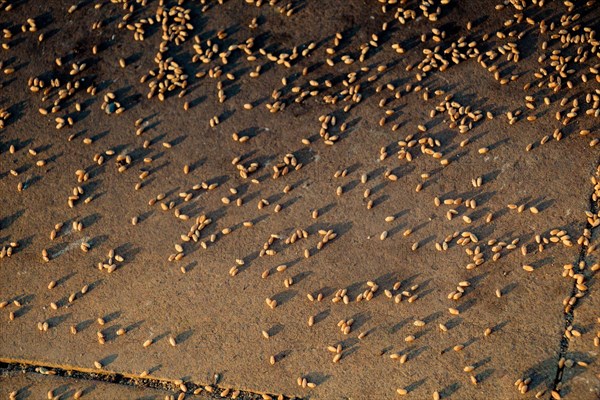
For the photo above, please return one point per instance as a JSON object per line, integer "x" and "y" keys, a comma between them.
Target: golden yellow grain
{"x": 281, "y": 268}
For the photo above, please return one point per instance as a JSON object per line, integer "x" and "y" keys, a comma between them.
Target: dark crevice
{"x": 569, "y": 314}
{"x": 120, "y": 379}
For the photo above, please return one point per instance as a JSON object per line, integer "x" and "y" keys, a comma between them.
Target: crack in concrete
{"x": 569, "y": 313}
{"x": 131, "y": 380}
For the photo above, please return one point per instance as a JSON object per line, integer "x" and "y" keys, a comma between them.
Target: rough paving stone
{"x": 216, "y": 319}
{"x": 36, "y": 386}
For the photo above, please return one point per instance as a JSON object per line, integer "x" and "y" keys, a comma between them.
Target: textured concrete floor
{"x": 37, "y": 386}
{"x": 399, "y": 257}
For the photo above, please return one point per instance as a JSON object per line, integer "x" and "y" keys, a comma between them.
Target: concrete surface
{"x": 205, "y": 325}
{"x": 36, "y": 386}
